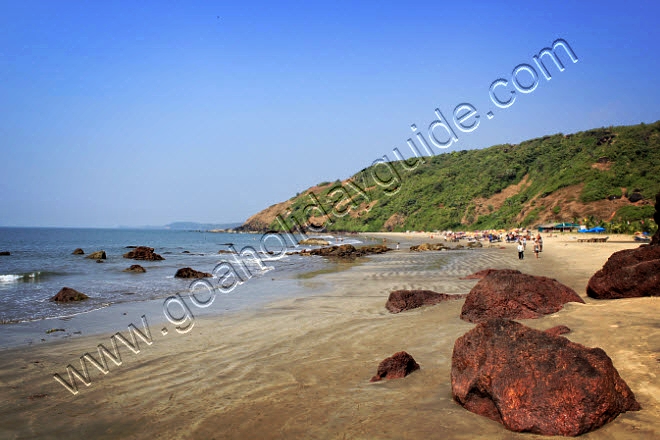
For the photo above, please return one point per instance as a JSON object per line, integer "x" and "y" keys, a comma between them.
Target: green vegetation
{"x": 451, "y": 190}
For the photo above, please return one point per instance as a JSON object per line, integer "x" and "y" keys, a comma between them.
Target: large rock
{"x": 397, "y": 366}
{"x": 401, "y": 300}
{"x": 143, "y": 253}
{"x": 78, "y": 251}
{"x": 188, "y": 272}
{"x": 629, "y": 273}
{"x": 135, "y": 268}
{"x": 66, "y": 294}
{"x": 98, "y": 255}
{"x": 531, "y": 381}
{"x": 347, "y": 251}
{"x": 515, "y": 295}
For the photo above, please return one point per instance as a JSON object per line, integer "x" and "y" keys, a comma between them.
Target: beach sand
{"x": 300, "y": 368}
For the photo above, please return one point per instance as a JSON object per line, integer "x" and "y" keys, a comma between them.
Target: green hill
{"x": 607, "y": 176}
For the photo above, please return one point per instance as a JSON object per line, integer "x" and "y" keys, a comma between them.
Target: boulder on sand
{"x": 515, "y": 295}
{"x": 401, "y": 300}
{"x": 397, "y": 366}
{"x": 66, "y": 294}
{"x": 531, "y": 381}
{"x": 78, "y": 251}
{"x": 143, "y": 253}
{"x": 188, "y": 272}
{"x": 98, "y": 255}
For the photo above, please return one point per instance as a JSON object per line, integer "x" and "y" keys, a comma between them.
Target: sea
{"x": 41, "y": 262}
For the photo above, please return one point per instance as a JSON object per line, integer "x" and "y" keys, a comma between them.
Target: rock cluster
{"x": 532, "y": 381}
{"x": 66, "y": 294}
{"x": 429, "y": 247}
{"x": 401, "y": 300}
{"x": 397, "y": 366}
{"x": 143, "y": 253}
{"x": 346, "y": 251}
{"x": 512, "y": 294}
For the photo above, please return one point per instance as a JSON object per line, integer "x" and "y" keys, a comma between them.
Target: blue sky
{"x": 143, "y": 113}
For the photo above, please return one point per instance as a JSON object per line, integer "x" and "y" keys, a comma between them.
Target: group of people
{"x": 522, "y": 245}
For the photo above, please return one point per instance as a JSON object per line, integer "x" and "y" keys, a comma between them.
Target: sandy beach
{"x": 300, "y": 368}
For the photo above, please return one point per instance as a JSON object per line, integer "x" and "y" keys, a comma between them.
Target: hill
{"x": 606, "y": 176}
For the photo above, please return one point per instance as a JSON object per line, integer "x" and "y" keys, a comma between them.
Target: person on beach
{"x": 397, "y": 246}
{"x": 536, "y": 249}
{"x": 539, "y": 239}
{"x": 521, "y": 251}
{"x": 524, "y": 242}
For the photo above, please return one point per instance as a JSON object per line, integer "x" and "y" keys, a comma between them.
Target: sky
{"x": 144, "y": 113}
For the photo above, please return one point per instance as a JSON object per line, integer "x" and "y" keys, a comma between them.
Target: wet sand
{"x": 300, "y": 368}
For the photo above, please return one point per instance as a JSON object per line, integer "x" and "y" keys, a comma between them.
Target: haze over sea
{"x": 41, "y": 263}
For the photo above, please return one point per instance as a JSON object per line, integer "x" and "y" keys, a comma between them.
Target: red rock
{"x": 143, "y": 253}
{"x": 66, "y": 294}
{"x": 531, "y": 381}
{"x": 188, "y": 272}
{"x": 401, "y": 300}
{"x": 398, "y": 366}
{"x": 515, "y": 295}
{"x": 557, "y": 330}
{"x": 482, "y": 273}
{"x": 629, "y": 273}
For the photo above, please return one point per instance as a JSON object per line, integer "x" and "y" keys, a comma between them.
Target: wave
{"x": 23, "y": 277}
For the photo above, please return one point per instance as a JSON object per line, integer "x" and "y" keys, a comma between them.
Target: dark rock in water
{"x": 67, "y": 294}
{"x": 531, "y": 381}
{"x": 398, "y": 366}
{"x": 222, "y": 251}
{"x": 557, "y": 330}
{"x": 98, "y": 255}
{"x": 185, "y": 252}
{"x": 143, "y": 253}
{"x": 512, "y": 294}
{"x": 5, "y": 253}
{"x": 630, "y": 273}
{"x": 78, "y": 251}
{"x": 188, "y": 272}
{"x": 346, "y": 251}
{"x": 131, "y": 247}
{"x": 135, "y": 268}
{"x": 401, "y": 300}
{"x": 99, "y": 261}
{"x": 482, "y": 273}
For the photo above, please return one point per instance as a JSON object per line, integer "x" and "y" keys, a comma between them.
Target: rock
{"x": 5, "y": 253}
{"x": 482, "y": 273}
{"x": 135, "y": 268}
{"x": 557, "y": 330}
{"x": 635, "y": 197}
{"x": 98, "y": 255}
{"x": 99, "y": 261}
{"x": 398, "y": 366}
{"x": 78, "y": 251}
{"x": 515, "y": 295}
{"x": 188, "y": 272}
{"x": 143, "y": 253}
{"x": 428, "y": 247}
{"x": 401, "y": 300}
{"x": 656, "y": 217}
{"x": 630, "y": 273}
{"x": 67, "y": 294}
{"x": 474, "y": 244}
{"x": 222, "y": 251}
{"x": 185, "y": 252}
{"x": 314, "y": 242}
{"x": 531, "y": 381}
{"x": 346, "y": 251}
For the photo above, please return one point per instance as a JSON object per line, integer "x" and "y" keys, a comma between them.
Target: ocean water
{"x": 41, "y": 263}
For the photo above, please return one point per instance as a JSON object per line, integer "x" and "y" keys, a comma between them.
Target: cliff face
{"x": 601, "y": 175}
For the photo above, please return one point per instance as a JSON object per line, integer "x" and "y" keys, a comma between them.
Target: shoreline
{"x": 300, "y": 367}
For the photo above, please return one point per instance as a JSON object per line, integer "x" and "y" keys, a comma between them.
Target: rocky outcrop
{"x": 78, "y": 251}
{"x": 98, "y": 255}
{"x": 397, "y": 366}
{"x": 515, "y": 295}
{"x": 314, "y": 242}
{"x": 346, "y": 251}
{"x": 428, "y": 247}
{"x": 66, "y": 294}
{"x": 629, "y": 273}
{"x": 188, "y": 272}
{"x": 401, "y": 300}
{"x": 531, "y": 381}
{"x": 143, "y": 253}
{"x": 135, "y": 268}
{"x": 557, "y": 330}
